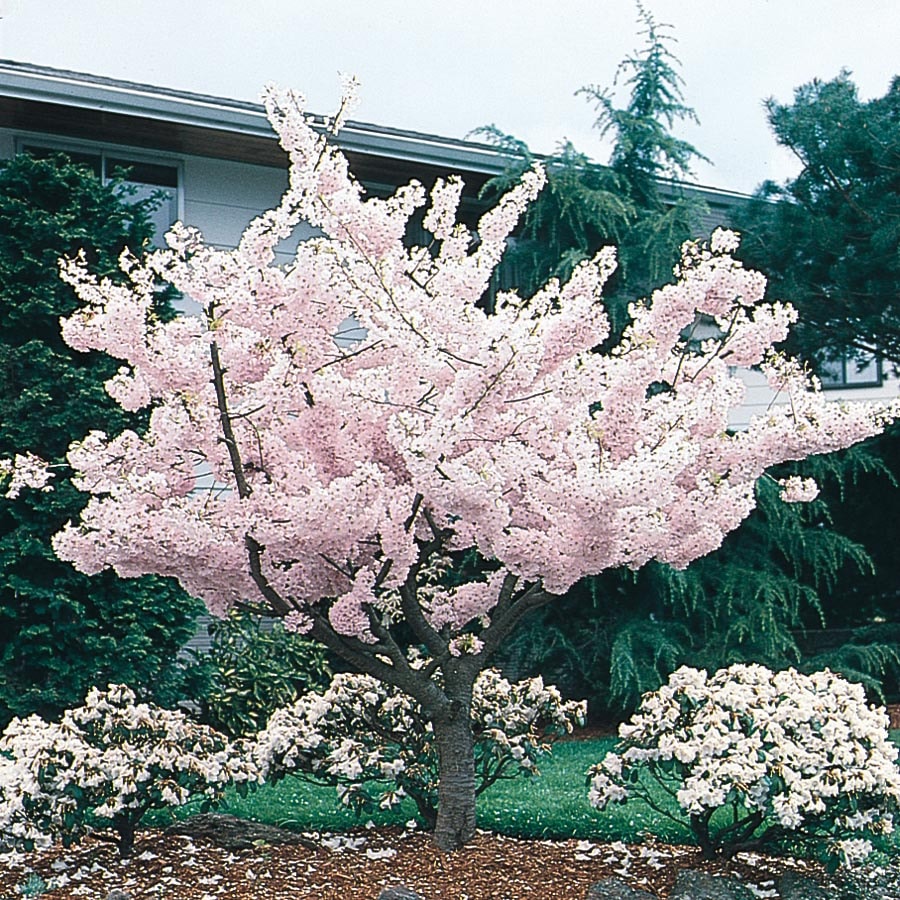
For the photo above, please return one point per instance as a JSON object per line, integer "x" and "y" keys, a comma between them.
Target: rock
{"x": 693, "y": 884}
{"x": 616, "y": 889}
{"x": 794, "y": 886}
{"x": 116, "y": 894}
{"x": 398, "y": 892}
{"x": 232, "y": 833}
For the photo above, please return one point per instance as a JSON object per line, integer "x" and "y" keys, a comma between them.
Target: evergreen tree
{"x": 829, "y": 242}
{"x": 60, "y": 631}
{"x": 787, "y": 571}
{"x": 829, "y": 239}
{"x": 635, "y": 202}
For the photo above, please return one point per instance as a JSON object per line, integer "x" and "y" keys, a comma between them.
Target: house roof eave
{"x": 182, "y": 112}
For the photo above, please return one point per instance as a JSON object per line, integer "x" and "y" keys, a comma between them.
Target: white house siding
{"x": 221, "y": 198}
{"x": 760, "y": 397}
{"x": 7, "y": 144}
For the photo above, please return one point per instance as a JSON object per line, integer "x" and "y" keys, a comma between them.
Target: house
{"x": 218, "y": 163}
{"x": 218, "y": 160}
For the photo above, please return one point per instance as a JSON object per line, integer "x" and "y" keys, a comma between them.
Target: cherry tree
{"x": 336, "y": 481}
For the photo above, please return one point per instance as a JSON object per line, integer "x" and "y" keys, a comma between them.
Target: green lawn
{"x": 555, "y": 804}
{"x": 552, "y": 805}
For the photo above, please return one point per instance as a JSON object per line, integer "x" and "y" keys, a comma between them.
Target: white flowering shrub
{"x": 753, "y": 757}
{"x": 104, "y": 765}
{"x": 376, "y": 746}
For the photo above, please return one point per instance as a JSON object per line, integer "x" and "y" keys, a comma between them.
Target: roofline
{"x": 43, "y": 84}
{"x": 27, "y": 81}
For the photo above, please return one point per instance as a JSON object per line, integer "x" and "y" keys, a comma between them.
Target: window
{"x": 851, "y": 372}
{"x": 140, "y": 178}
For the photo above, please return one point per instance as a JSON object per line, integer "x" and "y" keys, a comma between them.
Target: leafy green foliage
{"x": 829, "y": 239}
{"x": 63, "y": 631}
{"x": 253, "y": 667}
{"x": 829, "y": 242}
{"x": 626, "y": 203}
{"x": 762, "y": 597}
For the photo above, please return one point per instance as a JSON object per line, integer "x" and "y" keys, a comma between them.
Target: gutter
{"x": 39, "y": 84}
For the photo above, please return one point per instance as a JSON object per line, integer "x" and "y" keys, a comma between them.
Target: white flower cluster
{"x": 104, "y": 765}
{"x": 361, "y": 734}
{"x": 23, "y": 470}
{"x": 798, "y": 490}
{"x": 782, "y": 751}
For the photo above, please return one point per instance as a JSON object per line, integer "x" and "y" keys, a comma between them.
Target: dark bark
{"x": 700, "y": 829}
{"x": 426, "y": 809}
{"x": 125, "y": 827}
{"x": 455, "y": 825}
{"x": 728, "y": 841}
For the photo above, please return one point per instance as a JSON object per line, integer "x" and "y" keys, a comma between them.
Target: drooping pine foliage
{"x": 634, "y": 202}
{"x": 867, "y": 512}
{"x": 62, "y": 632}
{"x": 829, "y": 242}
{"x": 766, "y": 596}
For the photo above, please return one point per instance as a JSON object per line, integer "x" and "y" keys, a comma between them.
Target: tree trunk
{"x": 125, "y": 829}
{"x": 455, "y": 824}
{"x": 700, "y": 828}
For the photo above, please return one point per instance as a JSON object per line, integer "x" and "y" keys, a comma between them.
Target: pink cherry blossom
{"x": 324, "y": 474}
{"x": 508, "y": 431}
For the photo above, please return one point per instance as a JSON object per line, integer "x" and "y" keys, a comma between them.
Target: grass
{"x": 555, "y": 804}
{"x": 551, "y": 805}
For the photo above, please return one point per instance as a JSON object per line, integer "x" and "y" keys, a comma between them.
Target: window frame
{"x": 118, "y": 153}
{"x": 843, "y": 384}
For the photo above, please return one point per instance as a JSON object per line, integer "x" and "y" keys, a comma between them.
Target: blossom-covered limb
{"x": 24, "y": 470}
{"x": 336, "y": 474}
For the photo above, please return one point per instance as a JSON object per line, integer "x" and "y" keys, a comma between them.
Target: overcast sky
{"x": 447, "y": 66}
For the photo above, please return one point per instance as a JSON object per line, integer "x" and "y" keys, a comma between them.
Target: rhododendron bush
{"x": 375, "y": 745}
{"x": 327, "y": 477}
{"x": 752, "y": 756}
{"x": 104, "y": 765}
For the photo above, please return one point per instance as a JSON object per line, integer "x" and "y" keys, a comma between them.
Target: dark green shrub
{"x": 253, "y": 667}
{"x": 62, "y": 632}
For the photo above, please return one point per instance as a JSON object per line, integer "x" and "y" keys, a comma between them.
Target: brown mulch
{"x": 357, "y": 866}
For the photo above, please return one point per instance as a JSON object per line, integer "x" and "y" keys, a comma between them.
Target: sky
{"x": 446, "y": 67}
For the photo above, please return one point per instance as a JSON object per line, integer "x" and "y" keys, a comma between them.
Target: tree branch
{"x": 234, "y": 453}
{"x": 510, "y": 610}
{"x": 254, "y": 554}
